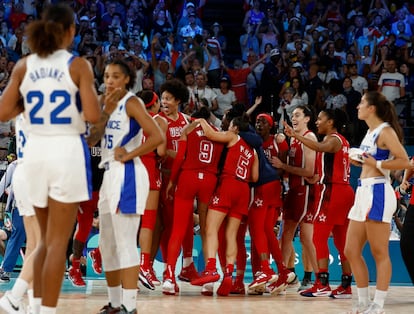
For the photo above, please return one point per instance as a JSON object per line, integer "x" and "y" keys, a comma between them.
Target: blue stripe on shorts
{"x": 378, "y": 202}
{"x": 128, "y": 200}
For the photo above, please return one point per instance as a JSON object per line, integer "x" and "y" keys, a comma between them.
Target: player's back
{"x": 51, "y": 98}
{"x": 202, "y": 153}
{"x": 239, "y": 161}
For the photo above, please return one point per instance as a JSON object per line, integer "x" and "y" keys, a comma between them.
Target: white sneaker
{"x": 207, "y": 289}
{"x": 374, "y": 308}
{"x": 168, "y": 287}
{"x": 10, "y": 305}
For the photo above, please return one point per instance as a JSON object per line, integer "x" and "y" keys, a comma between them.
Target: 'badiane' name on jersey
{"x": 46, "y": 73}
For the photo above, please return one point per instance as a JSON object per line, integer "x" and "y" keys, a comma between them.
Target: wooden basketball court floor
{"x": 91, "y": 298}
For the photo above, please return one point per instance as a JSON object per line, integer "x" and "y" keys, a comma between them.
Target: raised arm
{"x": 330, "y": 144}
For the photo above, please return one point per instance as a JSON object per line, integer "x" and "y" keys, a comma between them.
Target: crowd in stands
{"x": 319, "y": 44}
{"x": 317, "y": 54}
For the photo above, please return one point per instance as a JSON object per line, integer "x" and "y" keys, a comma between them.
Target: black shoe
{"x": 125, "y": 311}
{"x": 4, "y": 276}
{"x": 108, "y": 309}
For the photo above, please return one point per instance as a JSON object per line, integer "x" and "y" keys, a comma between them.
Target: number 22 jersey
{"x": 51, "y": 98}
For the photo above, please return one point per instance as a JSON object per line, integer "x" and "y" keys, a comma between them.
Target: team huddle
{"x": 157, "y": 162}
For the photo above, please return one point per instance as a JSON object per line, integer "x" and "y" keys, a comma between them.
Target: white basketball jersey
{"x": 51, "y": 98}
{"x": 21, "y": 134}
{"x": 120, "y": 131}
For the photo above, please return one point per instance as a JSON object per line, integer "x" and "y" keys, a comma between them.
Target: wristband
{"x": 379, "y": 164}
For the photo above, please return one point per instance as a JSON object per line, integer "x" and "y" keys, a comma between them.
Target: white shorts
{"x": 374, "y": 200}
{"x": 58, "y": 167}
{"x": 118, "y": 240}
{"x": 125, "y": 188}
{"x": 20, "y": 193}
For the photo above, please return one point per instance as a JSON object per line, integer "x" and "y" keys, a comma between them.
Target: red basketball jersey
{"x": 239, "y": 161}
{"x": 336, "y": 166}
{"x": 174, "y": 131}
{"x": 202, "y": 154}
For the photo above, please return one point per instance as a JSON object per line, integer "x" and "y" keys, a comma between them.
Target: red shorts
{"x": 336, "y": 201}
{"x": 196, "y": 184}
{"x": 301, "y": 203}
{"x": 231, "y": 197}
{"x": 154, "y": 173}
{"x": 267, "y": 195}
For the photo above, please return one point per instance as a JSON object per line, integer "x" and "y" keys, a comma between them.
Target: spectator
{"x": 249, "y": 42}
{"x": 202, "y": 90}
{"x": 359, "y": 83}
{"x": 217, "y": 33}
{"x": 404, "y": 17}
{"x": 191, "y": 29}
{"x": 314, "y": 88}
{"x": 226, "y": 97}
{"x": 270, "y": 82}
{"x": 379, "y": 7}
{"x": 267, "y": 34}
{"x": 254, "y": 16}
{"x": 106, "y": 19}
{"x": 254, "y": 77}
{"x": 357, "y": 128}
{"x": 160, "y": 63}
{"x": 213, "y": 55}
{"x": 185, "y": 18}
{"x": 336, "y": 98}
{"x": 391, "y": 83}
{"x": 17, "y": 15}
{"x": 328, "y": 58}
{"x": 161, "y": 24}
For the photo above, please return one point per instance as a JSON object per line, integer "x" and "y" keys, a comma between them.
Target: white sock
{"x": 47, "y": 310}
{"x": 379, "y": 297}
{"x": 187, "y": 261}
{"x": 129, "y": 299}
{"x": 115, "y": 295}
{"x": 36, "y": 305}
{"x": 19, "y": 289}
{"x": 363, "y": 295}
{"x": 30, "y": 297}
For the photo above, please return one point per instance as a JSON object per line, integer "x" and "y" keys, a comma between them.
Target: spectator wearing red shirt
{"x": 17, "y": 16}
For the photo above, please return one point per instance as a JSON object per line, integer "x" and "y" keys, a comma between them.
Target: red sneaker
{"x": 238, "y": 287}
{"x": 342, "y": 293}
{"x": 225, "y": 286}
{"x": 279, "y": 285}
{"x": 206, "y": 277}
{"x": 145, "y": 278}
{"x": 317, "y": 290}
{"x": 188, "y": 273}
{"x": 261, "y": 278}
{"x": 95, "y": 256}
{"x": 154, "y": 278}
{"x": 75, "y": 276}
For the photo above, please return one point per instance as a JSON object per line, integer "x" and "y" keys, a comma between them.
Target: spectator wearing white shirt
{"x": 226, "y": 98}
{"x": 191, "y": 29}
{"x": 359, "y": 83}
{"x": 391, "y": 83}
